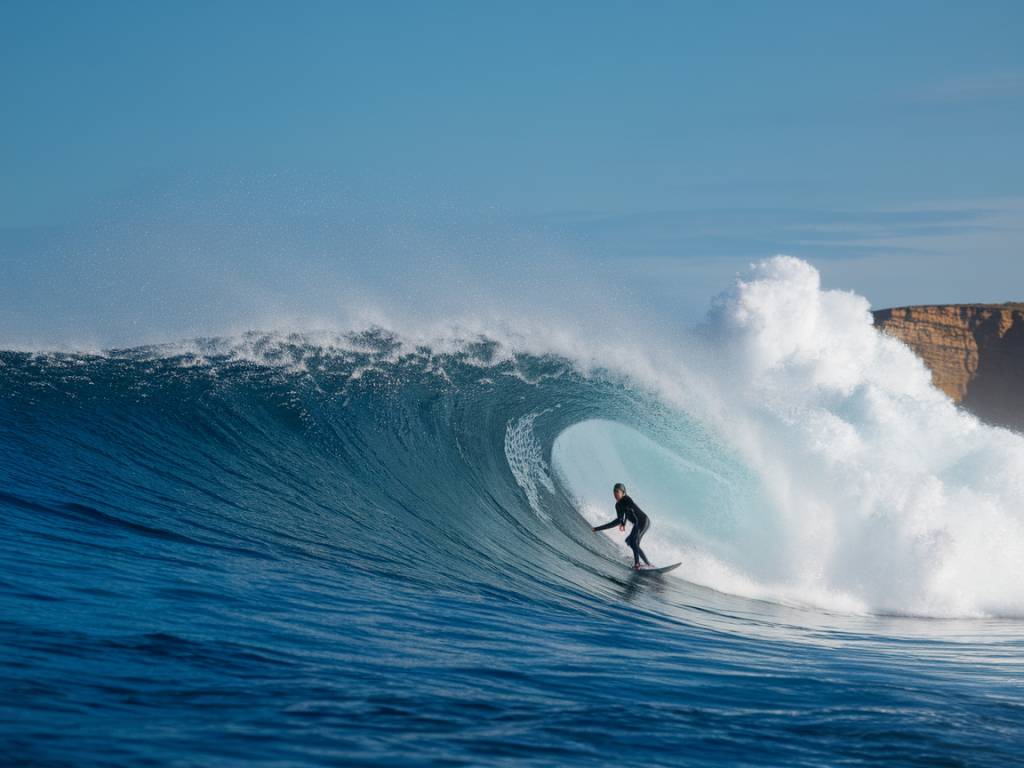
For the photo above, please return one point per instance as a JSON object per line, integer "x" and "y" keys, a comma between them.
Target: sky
{"x": 205, "y": 167}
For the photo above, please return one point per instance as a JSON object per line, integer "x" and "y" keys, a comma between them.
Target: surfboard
{"x": 658, "y": 571}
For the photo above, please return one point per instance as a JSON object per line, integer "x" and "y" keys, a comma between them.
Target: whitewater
{"x": 374, "y": 546}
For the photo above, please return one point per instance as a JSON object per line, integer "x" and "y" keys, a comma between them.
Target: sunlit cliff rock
{"x": 975, "y": 353}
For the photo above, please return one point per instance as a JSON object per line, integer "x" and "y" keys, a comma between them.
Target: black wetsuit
{"x": 626, "y": 509}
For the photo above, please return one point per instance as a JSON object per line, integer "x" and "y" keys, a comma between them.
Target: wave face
{"x": 321, "y": 548}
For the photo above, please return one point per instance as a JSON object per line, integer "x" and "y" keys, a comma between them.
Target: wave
{"x": 786, "y": 450}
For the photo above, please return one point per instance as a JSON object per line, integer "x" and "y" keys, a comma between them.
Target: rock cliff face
{"x": 975, "y": 352}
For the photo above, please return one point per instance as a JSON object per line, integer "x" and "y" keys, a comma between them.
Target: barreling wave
{"x": 789, "y": 452}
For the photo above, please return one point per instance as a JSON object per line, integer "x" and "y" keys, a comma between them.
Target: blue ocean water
{"x": 371, "y": 554}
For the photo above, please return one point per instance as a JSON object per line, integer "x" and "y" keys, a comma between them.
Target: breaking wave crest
{"x": 785, "y": 450}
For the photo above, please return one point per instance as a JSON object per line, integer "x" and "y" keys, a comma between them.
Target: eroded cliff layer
{"x": 975, "y": 352}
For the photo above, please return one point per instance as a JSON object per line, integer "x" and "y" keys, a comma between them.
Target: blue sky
{"x": 166, "y": 168}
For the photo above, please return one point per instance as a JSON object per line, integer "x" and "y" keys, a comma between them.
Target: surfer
{"x": 626, "y": 509}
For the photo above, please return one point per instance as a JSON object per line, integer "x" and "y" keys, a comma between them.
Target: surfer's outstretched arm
{"x": 619, "y": 520}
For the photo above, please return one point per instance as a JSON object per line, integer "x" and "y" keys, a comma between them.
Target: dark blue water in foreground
{"x": 324, "y": 558}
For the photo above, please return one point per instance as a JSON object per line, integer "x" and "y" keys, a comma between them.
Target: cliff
{"x": 975, "y": 352}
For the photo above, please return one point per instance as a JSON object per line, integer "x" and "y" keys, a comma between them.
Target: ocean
{"x": 364, "y": 547}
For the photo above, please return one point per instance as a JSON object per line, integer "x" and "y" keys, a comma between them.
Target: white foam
{"x": 526, "y": 460}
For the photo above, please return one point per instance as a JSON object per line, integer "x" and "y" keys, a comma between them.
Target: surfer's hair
{"x": 619, "y": 487}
